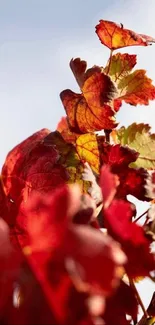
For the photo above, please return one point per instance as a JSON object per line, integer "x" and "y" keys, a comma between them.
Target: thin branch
{"x": 146, "y": 315}
{"x": 110, "y": 59}
{"x": 143, "y": 214}
{"x": 107, "y": 135}
{"x": 151, "y": 311}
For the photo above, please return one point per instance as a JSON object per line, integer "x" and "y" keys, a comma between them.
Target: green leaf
{"x": 139, "y": 138}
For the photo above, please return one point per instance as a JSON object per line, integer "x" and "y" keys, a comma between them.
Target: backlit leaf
{"x": 78, "y": 68}
{"x": 138, "y": 137}
{"x": 82, "y": 118}
{"x": 123, "y": 302}
{"x": 132, "y": 180}
{"x": 84, "y": 251}
{"x": 98, "y": 89}
{"x": 120, "y": 65}
{"x": 109, "y": 183}
{"x": 65, "y": 131}
{"x": 118, "y": 220}
{"x": 116, "y": 36}
{"x": 40, "y": 164}
{"x": 132, "y": 87}
{"x": 87, "y": 149}
{"x": 80, "y": 71}
{"x": 136, "y": 88}
{"x": 93, "y": 109}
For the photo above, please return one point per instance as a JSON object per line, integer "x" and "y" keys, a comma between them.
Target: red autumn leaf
{"x": 116, "y": 36}
{"x": 83, "y": 118}
{"x": 136, "y": 88}
{"x": 122, "y": 303}
{"x": 109, "y": 183}
{"x": 27, "y": 168}
{"x": 39, "y": 164}
{"x": 98, "y": 90}
{"x": 65, "y": 131}
{"x": 90, "y": 256}
{"x": 69, "y": 159}
{"x": 89, "y": 111}
{"x": 117, "y": 156}
{"x": 96, "y": 86}
{"x": 118, "y": 220}
{"x": 28, "y": 304}
{"x": 80, "y": 71}
{"x": 52, "y": 298}
{"x": 132, "y": 180}
{"x": 9, "y": 268}
{"x": 19, "y": 152}
{"x": 3, "y": 203}
{"x": 117, "y": 103}
{"x": 62, "y": 125}
{"x": 78, "y": 68}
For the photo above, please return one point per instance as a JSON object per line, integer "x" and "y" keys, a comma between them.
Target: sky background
{"x": 37, "y": 40}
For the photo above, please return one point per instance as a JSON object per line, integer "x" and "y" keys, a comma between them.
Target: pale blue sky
{"x": 37, "y": 40}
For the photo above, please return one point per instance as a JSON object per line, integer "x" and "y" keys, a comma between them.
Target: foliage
{"x": 71, "y": 246}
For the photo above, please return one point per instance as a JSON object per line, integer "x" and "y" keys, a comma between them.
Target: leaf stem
{"x": 141, "y": 216}
{"x": 110, "y": 59}
{"x": 107, "y": 135}
{"x": 150, "y": 310}
{"x": 138, "y": 298}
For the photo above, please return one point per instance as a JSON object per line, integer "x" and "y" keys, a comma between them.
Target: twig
{"x": 110, "y": 59}
{"x": 141, "y": 216}
{"x": 146, "y": 315}
{"x": 151, "y": 311}
{"x": 107, "y": 135}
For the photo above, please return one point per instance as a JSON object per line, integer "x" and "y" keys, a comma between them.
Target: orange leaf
{"x": 66, "y": 133}
{"x": 98, "y": 89}
{"x": 62, "y": 125}
{"x": 83, "y": 118}
{"x": 136, "y": 88}
{"x": 89, "y": 111}
{"x": 133, "y": 87}
{"x": 79, "y": 67}
{"x": 87, "y": 149}
{"x": 116, "y": 36}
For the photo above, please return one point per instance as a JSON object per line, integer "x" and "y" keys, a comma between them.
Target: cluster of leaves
{"x": 59, "y": 189}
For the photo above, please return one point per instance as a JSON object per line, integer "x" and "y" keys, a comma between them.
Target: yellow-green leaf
{"x": 132, "y": 87}
{"x": 120, "y": 65}
{"x": 139, "y": 138}
{"x": 87, "y": 149}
